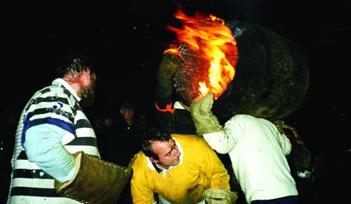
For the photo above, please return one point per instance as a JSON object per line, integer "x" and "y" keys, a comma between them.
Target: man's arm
{"x": 43, "y": 146}
{"x": 164, "y": 88}
{"x": 285, "y": 143}
{"x": 222, "y": 141}
{"x": 282, "y": 137}
{"x": 141, "y": 193}
{"x": 44, "y": 127}
{"x": 214, "y": 168}
{"x": 219, "y": 190}
{"x": 206, "y": 123}
{"x": 204, "y": 120}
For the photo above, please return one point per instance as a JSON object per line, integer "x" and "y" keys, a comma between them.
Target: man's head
{"x": 127, "y": 111}
{"x": 78, "y": 71}
{"x": 161, "y": 148}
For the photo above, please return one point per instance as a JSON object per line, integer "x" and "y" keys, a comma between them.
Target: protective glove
{"x": 220, "y": 196}
{"x": 204, "y": 120}
{"x": 96, "y": 181}
{"x": 168, "y": 66}
{"x": 170, "y": 63}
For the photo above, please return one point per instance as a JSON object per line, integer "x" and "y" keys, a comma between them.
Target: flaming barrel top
{"x": 271, "y": 75}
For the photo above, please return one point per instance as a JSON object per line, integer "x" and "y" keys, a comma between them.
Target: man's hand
{"x": 222, "y": 196}
{"x": 168, "y": 66}
{"x": 96, "y": 181}
{"x": 204, "y": 120}
{"x": 202, "y": 104}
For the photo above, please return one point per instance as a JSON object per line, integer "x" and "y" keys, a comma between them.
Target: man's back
{"x": 259, "y": 158}
{"x": 53, "y": 106}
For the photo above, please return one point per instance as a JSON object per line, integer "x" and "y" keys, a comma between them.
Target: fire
{"x": 211, "y": 40}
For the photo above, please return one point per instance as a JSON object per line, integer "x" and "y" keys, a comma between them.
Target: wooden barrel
{"x": 271, "y": 79}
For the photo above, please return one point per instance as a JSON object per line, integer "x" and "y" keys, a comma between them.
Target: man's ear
{"x": 85, "y": 77}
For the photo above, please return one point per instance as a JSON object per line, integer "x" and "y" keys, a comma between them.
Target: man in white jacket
{"x": 257, "y": 151}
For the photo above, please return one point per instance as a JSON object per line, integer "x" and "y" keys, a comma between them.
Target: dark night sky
{"x": 126, "y": 40}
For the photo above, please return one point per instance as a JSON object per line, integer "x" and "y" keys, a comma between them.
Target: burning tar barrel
{"x": 271, "y": 74}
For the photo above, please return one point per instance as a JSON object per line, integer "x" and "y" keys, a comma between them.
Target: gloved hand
{"x": 96, "y": 181}
{"x": 204, "y": 120}
{"x": 220, "y": 196}
{"x": 170, "y": 63}
{"x": 168, "y": 66}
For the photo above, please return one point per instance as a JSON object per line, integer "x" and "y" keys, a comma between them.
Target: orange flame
{"x": 209, "y": 37}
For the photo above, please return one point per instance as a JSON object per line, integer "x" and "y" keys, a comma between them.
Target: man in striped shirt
{"x": 53, "y": 127}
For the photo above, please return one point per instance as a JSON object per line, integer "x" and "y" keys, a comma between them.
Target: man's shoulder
{"x": 190, "y": 141}
{"x": 141, "y": 165}
{"x": 138, "y": 160}
{"x": 50, "y": 93}
{"x": 243, "y": 118}
{"x": 51, "y": 90}
{"x": 186, "y": 137}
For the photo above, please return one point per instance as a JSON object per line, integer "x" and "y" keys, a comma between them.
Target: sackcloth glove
{"x": 170, "y": 63}
{"x": 96, "y": 181}
{"x": 204, "y": 120}
{"x": 220, "y": 196}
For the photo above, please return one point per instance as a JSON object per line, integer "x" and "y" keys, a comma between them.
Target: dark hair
{"x": 74, "y": 63}
{"x": 154, "y": 134}
{"x": 128, "y": 104}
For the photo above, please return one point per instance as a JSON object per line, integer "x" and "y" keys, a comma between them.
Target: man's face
{"x": 87, "y": 93}
{"x": 127, "y": 114}
{"x": 168, "y": 153}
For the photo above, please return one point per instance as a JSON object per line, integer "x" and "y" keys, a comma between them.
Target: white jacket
{"x": 257, "y": 152}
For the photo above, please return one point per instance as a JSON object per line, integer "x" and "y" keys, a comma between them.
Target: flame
{"x": 213, "y": 41}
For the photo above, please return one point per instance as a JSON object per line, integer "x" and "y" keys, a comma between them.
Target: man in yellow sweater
{"x": 178, "y": 169}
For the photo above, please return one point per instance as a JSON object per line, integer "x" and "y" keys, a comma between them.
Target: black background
{"x": 126, "y": 39}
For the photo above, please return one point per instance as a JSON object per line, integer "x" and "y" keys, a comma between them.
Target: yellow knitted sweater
{"x": 199, "y": 169}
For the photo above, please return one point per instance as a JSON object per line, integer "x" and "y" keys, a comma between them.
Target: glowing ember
{"x": 211, "y": 40}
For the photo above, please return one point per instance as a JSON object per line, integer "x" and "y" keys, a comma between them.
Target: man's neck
{"x": 161, "y": 169}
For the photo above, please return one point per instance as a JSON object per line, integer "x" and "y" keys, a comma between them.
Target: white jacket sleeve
{"x": 285, "y": 144}
{"x": 222, "y": 141}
